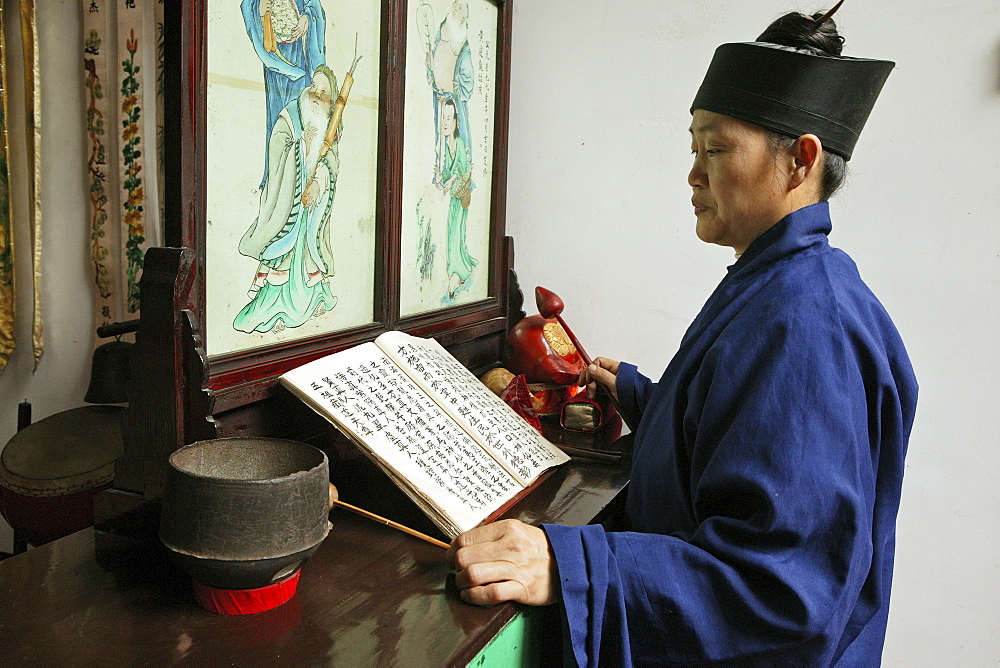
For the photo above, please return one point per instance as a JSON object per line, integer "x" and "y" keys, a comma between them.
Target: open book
{"x": 455, "y": 448}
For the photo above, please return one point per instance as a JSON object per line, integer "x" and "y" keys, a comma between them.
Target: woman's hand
{"x": 302, "y": 28}
{"x": 603, "y": 371}
{"x": 504, "y": 561}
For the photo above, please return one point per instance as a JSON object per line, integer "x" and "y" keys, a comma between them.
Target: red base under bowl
{"x": 246, "y": 601}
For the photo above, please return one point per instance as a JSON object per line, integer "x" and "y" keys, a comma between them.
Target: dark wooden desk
{"x": 369, "y": 596}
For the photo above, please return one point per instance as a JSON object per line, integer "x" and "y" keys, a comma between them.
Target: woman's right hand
{"x": 603, "y": 371}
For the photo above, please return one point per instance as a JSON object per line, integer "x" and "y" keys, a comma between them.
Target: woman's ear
{"x": 807, "y": 156}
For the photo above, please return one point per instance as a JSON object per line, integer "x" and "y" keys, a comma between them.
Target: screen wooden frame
{"x": 238, "y": 377}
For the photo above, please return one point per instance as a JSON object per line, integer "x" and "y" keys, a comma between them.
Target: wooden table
{"x": 369, "y": 596}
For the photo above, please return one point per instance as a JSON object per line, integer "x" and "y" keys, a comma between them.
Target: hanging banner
{"x": 132, "y": 148}
{"x": 33, "y": 147}
{"x": 158, "y": 103}
{"x": 7, "y": 341}
{"x": 101, "y": 140}
{"x": 122, "y": 42}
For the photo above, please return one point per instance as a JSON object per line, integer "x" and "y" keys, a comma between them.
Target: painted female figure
{"x": 455, "y": 178}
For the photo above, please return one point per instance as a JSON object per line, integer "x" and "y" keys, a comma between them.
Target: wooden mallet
{"x": 334, "y": 500}
{"x": 551, "y": 306}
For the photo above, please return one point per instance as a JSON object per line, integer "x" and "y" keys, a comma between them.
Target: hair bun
{"x": 799, "y": 31}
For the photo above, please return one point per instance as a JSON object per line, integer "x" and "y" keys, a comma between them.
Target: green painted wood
{"x": 531, "y": 638}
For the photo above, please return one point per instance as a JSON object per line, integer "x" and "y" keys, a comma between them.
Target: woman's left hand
{"x": 504, "y": 561}
{"x": 302, "y": 28}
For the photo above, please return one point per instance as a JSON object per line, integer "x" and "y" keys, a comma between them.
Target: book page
{"x": 365, "y": 394}
{"x": 494, "y": 424}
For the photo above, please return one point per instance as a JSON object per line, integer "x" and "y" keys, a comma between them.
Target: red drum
{"x": 51, "y": 470}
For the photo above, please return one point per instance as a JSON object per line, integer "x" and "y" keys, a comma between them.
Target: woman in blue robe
{"x": 768, "y": 458}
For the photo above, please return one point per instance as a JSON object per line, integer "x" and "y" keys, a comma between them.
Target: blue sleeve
{"x": 593, "y": 595}
{"x": 783, "y": 460}
{"x": 255, "y": 31}
{"x": 315, "y": 39}
{"x": 634, "y": 391}
{"x": 465, "y": 81}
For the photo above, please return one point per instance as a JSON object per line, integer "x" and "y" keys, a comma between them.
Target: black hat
{"x": 794, "y": 92}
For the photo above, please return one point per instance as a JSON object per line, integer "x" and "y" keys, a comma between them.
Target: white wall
{"x": 599, "y": 209}
{"x": 62, "y": 376}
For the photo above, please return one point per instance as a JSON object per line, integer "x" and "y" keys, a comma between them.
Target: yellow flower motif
{"x": 134, "y": 198}
{"x": 128, "y": 103}
{"x": 130, "y": 131}
{"x": 133, "y": 220}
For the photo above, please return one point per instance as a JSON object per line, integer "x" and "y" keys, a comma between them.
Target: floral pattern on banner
{"x": 132, "y": 184}
{"x": 121, "y": 39}
{"x": 96, "y": 169}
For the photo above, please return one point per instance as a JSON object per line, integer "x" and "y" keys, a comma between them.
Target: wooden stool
{"x": 51, "y": 470}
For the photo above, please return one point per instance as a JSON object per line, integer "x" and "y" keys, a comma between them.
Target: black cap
{"x": 794, "y": 92}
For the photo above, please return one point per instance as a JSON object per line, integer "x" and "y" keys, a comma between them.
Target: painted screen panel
{"x": 448, "y": 150}
{"x": 292, "y": 153}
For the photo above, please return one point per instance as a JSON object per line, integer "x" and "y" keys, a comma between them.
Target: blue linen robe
{"x": 766, "y": 476}
{"x": 285, "y": 77}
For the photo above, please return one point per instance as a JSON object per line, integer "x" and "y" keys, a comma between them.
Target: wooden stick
{"x": 572, "y": 337}
{"x": 588, "y": 361}
{"x": 551, "y": 306}
{"x": 390, "y": 523}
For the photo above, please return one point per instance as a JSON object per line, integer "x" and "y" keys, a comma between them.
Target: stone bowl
{"x": 243, "y": 513}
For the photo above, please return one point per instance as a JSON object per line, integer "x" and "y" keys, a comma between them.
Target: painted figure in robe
{"x": 450, "y": 73}
{"x": 291, "y": 237}
{"x": 289, "y": 37}
{"x": 455, "y": 179}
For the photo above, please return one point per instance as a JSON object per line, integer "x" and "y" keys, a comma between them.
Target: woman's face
{"x": 448, "y": 120}
{"x": 740, "y": 190}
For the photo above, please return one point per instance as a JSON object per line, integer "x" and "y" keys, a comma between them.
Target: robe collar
{"x": 800, "y": 234}
{"x": 804, "y": 229}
